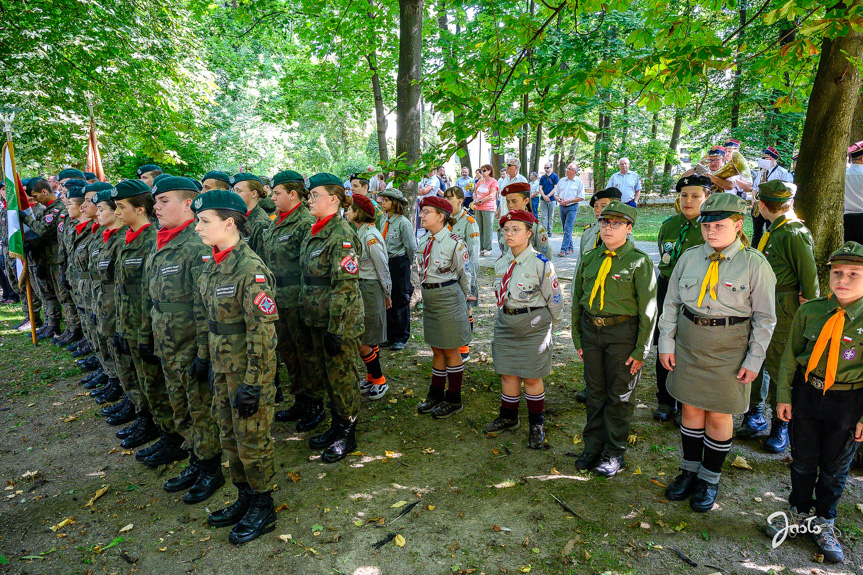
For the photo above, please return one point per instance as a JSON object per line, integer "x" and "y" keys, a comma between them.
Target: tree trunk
{"x": 464, "y": 152}
{"x": 672, "y": 151}
{"x": 534, "y": 165}
{"x": 522, "y": 140}
{"x": 857, "y": 123}
{"x": 625, "y": 129}
{"x": 497, "y": 159}
{"x": 651, "y": 165}
{"x": 601, "y": 175}
{"x": 820, "y": 174}
{"x": 380, "y": 114}
{"x": 597, "y": 144}
{"x": 408, "y": 91}
{"x": 558, "y": 155}
{"x": 738, "y": 73}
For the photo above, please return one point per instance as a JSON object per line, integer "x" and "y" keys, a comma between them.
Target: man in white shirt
{"x": 769, "y": 170}
{"x": 627, "y": 182}
{"x": 511, "y": 175}
{"x": 569, "y": 192}
{"x": 854, "y": 194}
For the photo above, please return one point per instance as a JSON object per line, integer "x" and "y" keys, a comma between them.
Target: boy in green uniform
{"x": 787, "y": 245}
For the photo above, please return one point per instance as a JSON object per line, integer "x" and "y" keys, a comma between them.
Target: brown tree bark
{"x": 672, "y": 150}
{"x": 380, "y": 114}
{"x": 522, "y": 139}
{"x": 857, "y": 122}
{"x": 497, "y": 159}
{"x": 534, "y": 164}
{"x": 651, "y": 164}
{"x": 820, "y": 174}
{"x": 408, "y": 92}
{"x": 738, "y": 73}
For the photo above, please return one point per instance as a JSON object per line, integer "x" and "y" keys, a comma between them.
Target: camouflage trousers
{"x": 44, "y": 280}
{"x": 341, "y": 375}
{"x": 246, "y": 442}
{"x": 70, "y": 313}
{"x": 128, "y": 378}
{"x": 192, "y": 403}
{"x": 100, "y": 345}
{"x": 151, "y": 379}
{"x": 306, "y": 375}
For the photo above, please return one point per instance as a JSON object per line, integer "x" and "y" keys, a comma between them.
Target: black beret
{"x": 693, "y": 180}
{"x": 611, "y": 193}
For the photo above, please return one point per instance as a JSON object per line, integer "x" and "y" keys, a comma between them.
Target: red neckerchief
{"x": 283, "y": 215}
{"x": 131, "y": 236}
{"x": 165, "y": 235}
{"x": 106, "y": 234}
{"x": 95, "y": 227}
{"x": 249, "y": 212}
{"x": 319, "y": 225}
{"x": 219, "y": 256}
{"x": 80, "y": 227}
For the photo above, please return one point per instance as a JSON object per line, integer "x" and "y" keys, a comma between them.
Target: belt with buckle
{"x": 600, "y": 321}
{"x": 712, "y": 321}
{"x": 818, "y": 383}
{"x": 519, "y": 311}
{"x": 440, "y": 285}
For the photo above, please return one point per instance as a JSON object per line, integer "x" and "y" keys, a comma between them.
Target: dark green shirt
{"x": 257, "y": 222}
{"x": 676, "y": 235}
{"x": 789, "y": 252}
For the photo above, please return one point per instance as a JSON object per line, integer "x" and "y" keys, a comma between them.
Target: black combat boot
{"x": 124, "y": 414}
{"x": 754, "y": 424}
{"x": 74, "y": 345}
{"x": 294, "y": 412}
{"x": 344, "y": 444}
{"x": 313, "y": 416}
{"x": 50, "y": 330}
{"x": 210, "y": 480}
{"x": 94, "y": 379}
{"x": 233, "y": 513}
{"x": 170, "y": 451}
{"x": 187, "y": 476}
{"x": 111, "y": 392}
{"x": 258, "y": 520}
{"x": 88, "y": 363}
{"x": 145, "y": 433}
{"x": 703, "y": 496}
{"x": 327, "y": 438}
{"x": 130, "y": 429}
{"x": 778, "y": 440}
{"x": 82, "y": 350}
{"x": 110, "y": 410}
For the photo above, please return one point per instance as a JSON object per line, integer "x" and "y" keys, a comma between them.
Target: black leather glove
{"x": 211, "y": 379}
{"x": 147, "y": 354}
{"x": 247, "y": 400}
{"x": 200, "y": 369}
{"x": 332, "y": 343}
{"x": 120, "y": 344}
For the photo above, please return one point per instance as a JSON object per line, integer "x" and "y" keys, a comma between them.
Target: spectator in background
{"x": 627, "y": 182}
{"x": 534, "y": 193}
{"x": 854, "y": 194}
{"x": 466, "y": 183}
{"x": 484, "y": 203}
{"x": 444, "y": 180}
{"x": 569, "y": 193}
{"x": 547, "y": 201}
{"x": 770, "y": 170}
{"x": 510, "y": 175}
{"x": 428, "y": 186}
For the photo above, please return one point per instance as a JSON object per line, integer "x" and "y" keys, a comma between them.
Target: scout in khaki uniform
{"x": 148, "y": 172}
{"x": 467, "y": 229}
{"x": 236, "y": 292}
{"x": 333, "y": 310}
{"x": 251, "y": 189}
{"x": 172, "y": 274}
{"x": 401, "y": 242}
{"x": 517, "y": 197}
{"x": 590, "y": 238}
{"x": 376, "y": 289}
{"x": 613, "y": 315}
{"x": 283, "y": 243}
{"x": 787, "y": 245}
{"x": 360, "y": 187}
{"x": 444, "y": 270}
{"x": 529, "y": 305}
{"x": 215, "y": 180}
{"x": 713, "y": 334}
{"x": 819, "y": 389}
{"x": 676, "y": 235}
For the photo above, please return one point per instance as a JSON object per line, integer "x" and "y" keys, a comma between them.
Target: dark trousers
{"x": 608, "y": 385}
{"x": 465, "y": 203}
{"x": 853, "y": 228}
{"x": 822, "y": 445}
{"x": 662, "y": 395}
{"x": 759, "y": 224}
{"x": 8, "y": 292}
{"x": 399, "y": 315}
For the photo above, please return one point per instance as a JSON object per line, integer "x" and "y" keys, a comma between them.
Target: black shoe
{"x": 536, "y": 437}
{"x": 48, "y": 332}
{"x": 233, "y": 513}
{"x": 586, "y": 461}
{"x": 344, "y": 444}
{"x": 110, "y": 410}
{"x": 58, "y": 337}
{"x": 187, "y": 478}
{"x": 81, "y": 351}
{"x": 112, "y": 392}
{"x": 294, "y": 412}
{"x": 210, "y": 479}
{"x": 778, "y": 440}
{"x": 88, "y": 364}
{"x": 88, "y": 376}
{"x": 501, "y": 423}
{"x": 429, "y": 404}
{"x": 41, "y": 331}
{"x": 682, "y": 486}
{"x": 581, "y": 396}
{"x": 130, "y": 429}
{"x": 280, "y": 396}
{"x": 445, "y": 409}
{"x": 69, "y": 337}
{"x": 387, "y": 343}
{"x": 664, "y": 412}
{"x": 313, "y": 417}
{"x": 145, "y": 433}
{"x": 124, "y": 414}
{"x": 99, "y": 379}
{"x": 74, "y": 345}
{"x": 258, "y": 520}
{"x": 170, "y": 452}
{"x": 703, "y": 496}
{"x": 609, "y": 465}
{"x": 754, "y": 424}
{"x": 398, "y": 345}
{"x": 327, "y": 438}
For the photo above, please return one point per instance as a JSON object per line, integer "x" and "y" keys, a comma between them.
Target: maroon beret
{"x": 856, "y": 149}
{"x": 436, "y": 202}
{"x": 364, "y": 203}
{"x": 518, "y": 216}
{"x": 516, "y": 187}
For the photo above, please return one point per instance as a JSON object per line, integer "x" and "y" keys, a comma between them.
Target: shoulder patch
{"x": 542, "y": 258}
{"x": 49, "y": 218}
{"x": 346, "y": 245}
{"x": 265, "y": 303}
{"x": 349, "y": 265}
{"x": 475, "y": 235}
{"x": 455, "y": 237}
{"x": 372, "y": 242}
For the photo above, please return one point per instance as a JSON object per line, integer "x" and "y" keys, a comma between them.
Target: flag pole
{"x": 7, "y": 121}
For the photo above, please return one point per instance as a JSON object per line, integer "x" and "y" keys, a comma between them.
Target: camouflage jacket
{"x": 170, "y": 283}
{"x": 129, "y": 282}
{"x": 282, "y": 244}
{"x": 79, "y": 263}
{"x": 330, "y": 290}
{"x": 65, "y": 236}
{"x": 257, "y": 222}
{"x": 239, "y": 315}
{"x": 102, "y": 262}
{"x": 43, "y": 249}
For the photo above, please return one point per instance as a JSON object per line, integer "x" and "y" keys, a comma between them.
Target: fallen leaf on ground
{"x": 283, "y": 507}
{"x": 400, "y": 540}
{"x": 632, "y": 439}
{"x": 127, "y": 528}
{"x": 409, "y": 392}
{"x": 207, "y": 538}
{"x": 496, "y": 528}
{"x": 430, "y": 507}
{"x": 390, "y": 453}
{"x": 644, "y": 525}
{"x": 495, "y": 451}
{"x": 99, "y": 493}
{"x": 637, "y": 471}
{"x": 576, "y": 440}
{"x": 393, "y": 400}
{"x": 295, "y": 476}
{"x": 554, "y": 471}
{"x": 429, "y": 450}
{"x": 62, "y": 524}
{"x": 655, "y": 482}
{"x": 818, "y": 558}
{"x": 70, "y": 419}
{"x": 741, "y": 463}
{"x": 29, "y": 474}
{"x": 162, "y": 549}
{"x": 860, "y": 507}
{"x": 286, "y": 537}
{"x": 398, "y": 504}
{"x": 525, "y": 569}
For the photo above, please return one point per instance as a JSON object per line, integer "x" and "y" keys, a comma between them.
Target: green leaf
{"x": 114, "y": 543}
{"x": 317, "y": 527}
{"x": 3, "y": 560}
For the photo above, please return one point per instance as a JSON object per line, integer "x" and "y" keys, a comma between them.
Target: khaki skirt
{"x": 522, "y": 344}
{"x": 708, "y": 359}
{"x": 445, "y": 322}
{"x": 375, "y": 308}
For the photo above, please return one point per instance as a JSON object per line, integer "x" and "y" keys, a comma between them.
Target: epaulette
{"x": 455, "y": 237}
{"x": 587, "y": 227}
{"x": 542, "y": 258}
{"x": 668, "y": 218}
{"x": 471, "y": 219}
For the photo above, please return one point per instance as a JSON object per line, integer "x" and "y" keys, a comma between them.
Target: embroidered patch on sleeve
{"x": 260, "y": 278}
{"x": 349, "y": 265}
{"x": 265, "y": 303}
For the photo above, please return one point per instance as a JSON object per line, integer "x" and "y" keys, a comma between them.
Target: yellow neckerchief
{"x": 599, "y": 283}
{"x": 763, "y": 243}
{"x": 832, "y": 333}
{"x": 711, "y": 278}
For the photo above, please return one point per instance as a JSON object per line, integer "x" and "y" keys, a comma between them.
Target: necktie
{"x": 763, "y": 243}
{"x": 675, "y": 251}
{"x": 711, "y": 278}
{"x": 504, "y": 285}
{"x": 599, "y": 284}
{"x": 831, "y": 332}
{"x": 386, "y": 227}
{"x": 426, "y": 256}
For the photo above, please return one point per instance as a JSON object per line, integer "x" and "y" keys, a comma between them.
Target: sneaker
{"x": 428, "y": 405}
{"x": 663, "y": 412}
{"x": 826, "y": 538}
{"x": 445, "y": 409}
{"x": 501, "y": 424}
{"x": 465, "y": 357}
{"x": 609, "y": 465}
{"x": 378, "y": 391}
{"x": 398, "y": 346}
{"x": 783, "y": 521}
{"x": 365, "y": 386}
{"x": 23, "y": 326}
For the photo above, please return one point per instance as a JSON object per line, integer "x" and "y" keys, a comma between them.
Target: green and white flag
{"x": 16, "y": 200}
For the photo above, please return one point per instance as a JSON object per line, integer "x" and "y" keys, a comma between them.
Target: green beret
{"x": 288, "y": 176}
{"x": 720, "y": 206}
{"x": 393, "y": 194}
{"x": 174, "y": 183}
{"x": 215, "y": 175}
{"x": 75, "y": 188}
{"x": 102, "y": 196}
{"x": 776, "y": 191}
{"x": 90, "y": 176}
{"x": 159, "y": 178}
{"x": 219, "y": 200}
{"x": 324, "y": 179}
{"x": 70, "y": 173}
{"x": 618, "y": 209}
{"x": 148, "y": 168}
{"x": 129, "y": 188}
{"x": 243, "y": 177}
{"x": 29, "y": 184}
{"x": 98, "y": 187}
{"x": 849, "y": 253}
{"x": 198, "y": 184}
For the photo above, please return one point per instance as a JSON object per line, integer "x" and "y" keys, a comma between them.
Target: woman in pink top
{"x": 485, "y": 201}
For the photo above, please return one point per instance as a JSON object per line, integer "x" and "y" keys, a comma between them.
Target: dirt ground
{"x": 484, "y": 504}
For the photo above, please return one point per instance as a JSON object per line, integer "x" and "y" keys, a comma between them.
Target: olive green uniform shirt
{"x": 676, "y": 235}
{"x": 789, "y": 252}
{"x": 44, "y": 249}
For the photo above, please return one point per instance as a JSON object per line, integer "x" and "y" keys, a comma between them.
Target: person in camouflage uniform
{"x": 333, "y": 310}
{"x": 215, "y": 180}
{"x": 282, "y": 244}
{"x": 267, "y": 203}
{"x": 171, "y": 280}
{"x": 65, "y": 233}
{"x": 251, "y": 189}
{"x": 236, "y": 292}
{"x": 78, "y": 265}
